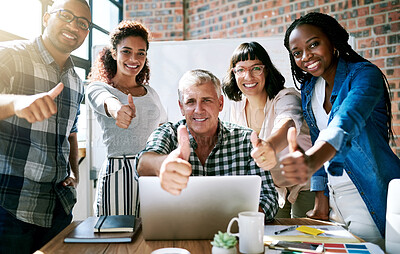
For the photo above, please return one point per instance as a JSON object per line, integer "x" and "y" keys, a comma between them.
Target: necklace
{"x": 133, "y": 91}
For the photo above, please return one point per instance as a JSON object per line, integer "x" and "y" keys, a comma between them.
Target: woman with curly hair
{"x": 127, "y": 109}
{"x": 346, "y": 103}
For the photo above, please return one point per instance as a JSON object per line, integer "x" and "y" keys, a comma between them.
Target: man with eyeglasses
{"x": 40, "y": 94}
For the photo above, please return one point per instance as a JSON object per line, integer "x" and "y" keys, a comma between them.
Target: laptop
{"x": 200, "y": 211}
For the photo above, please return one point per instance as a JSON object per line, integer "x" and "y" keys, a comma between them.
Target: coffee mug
{"x": 251, "y": 231}
{"x": 171, "y": 251}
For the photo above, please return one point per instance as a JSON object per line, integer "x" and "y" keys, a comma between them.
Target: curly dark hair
{"x": 105, "y": 67}
{"x": 339, "y": 37}
{"x": 274, "y": 81}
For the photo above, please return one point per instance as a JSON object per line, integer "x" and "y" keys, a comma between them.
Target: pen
{"x": 285, "y": 230}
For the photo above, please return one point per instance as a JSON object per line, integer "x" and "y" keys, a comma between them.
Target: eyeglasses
{"x": 255, "y": 70}
{"x": 67, "y": 16}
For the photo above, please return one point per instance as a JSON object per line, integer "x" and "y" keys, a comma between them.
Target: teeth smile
{"x": 200, "y": 119}
{"x": 69, "y": 36}
{"x": 312, "y": 65}
{"x": 250, "y": 85}
{"x": 132, "y": 66}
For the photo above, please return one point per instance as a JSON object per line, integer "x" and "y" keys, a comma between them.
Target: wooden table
{"x": 139, "y": 245}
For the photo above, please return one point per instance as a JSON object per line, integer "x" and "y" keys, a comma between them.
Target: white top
{"x": 321, "y": 118}
{"x": 149, "y": 115}
{"x": 286, "y": 104}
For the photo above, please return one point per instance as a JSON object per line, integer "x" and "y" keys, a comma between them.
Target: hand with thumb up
{"x": 123, "y": 114}
{"x": 294, "y": 165}
{"x": 38, "y": 107}
{"x": 263, "y": 152}
{"x": 175, "y": 169}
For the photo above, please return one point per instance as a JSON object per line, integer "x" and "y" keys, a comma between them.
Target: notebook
{"x": 115, "y": 223}
{"x": 200, "y": 211}
{"x": 84, "y": 233}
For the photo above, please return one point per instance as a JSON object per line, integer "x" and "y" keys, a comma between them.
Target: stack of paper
{"x": 329, "y": 234}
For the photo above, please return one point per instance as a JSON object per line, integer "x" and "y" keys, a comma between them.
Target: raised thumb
{"x": 292, "y": 139}
{"x": 184, "y": 143}
{"x": 130, "y": 101}
{"x": 53, "y": 93}
{"x": 255, "y": 141}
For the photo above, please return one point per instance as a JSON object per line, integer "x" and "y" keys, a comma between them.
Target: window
{"x": 22, "y": 19}
{"x": 105, "y": 14}
{"x": 25, "y": 22}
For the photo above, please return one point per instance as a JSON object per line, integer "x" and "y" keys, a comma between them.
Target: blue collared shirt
{"x": 357, "y": 130}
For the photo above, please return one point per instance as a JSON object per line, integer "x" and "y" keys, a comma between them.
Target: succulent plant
{"x": 224, "y": 240}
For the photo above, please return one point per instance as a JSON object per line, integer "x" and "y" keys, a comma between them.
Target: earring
{"x": 336, "y": 53}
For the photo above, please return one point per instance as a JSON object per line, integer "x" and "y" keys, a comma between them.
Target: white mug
{"x": 251, "y": 231}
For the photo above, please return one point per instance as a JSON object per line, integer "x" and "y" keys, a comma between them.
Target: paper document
{"x": 331, "y": 234}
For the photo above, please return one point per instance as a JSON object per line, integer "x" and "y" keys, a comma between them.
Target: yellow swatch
{"x": 309, "y": 230}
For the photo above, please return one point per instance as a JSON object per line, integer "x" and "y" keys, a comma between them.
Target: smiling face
{"x": 251, "y": 84}
{"x": 313, "y": 51}
{"x": 130, "y": 56}
{"x": 200, "y": 106}
{"x": 60, "y": 35}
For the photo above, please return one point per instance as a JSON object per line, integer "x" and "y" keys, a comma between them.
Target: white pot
{"x": 219, "y": 250}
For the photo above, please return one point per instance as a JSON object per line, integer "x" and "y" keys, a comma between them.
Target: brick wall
{"x": 373, "y": 23}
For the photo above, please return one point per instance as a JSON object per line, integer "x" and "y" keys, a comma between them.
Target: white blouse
{"x": 321, "y": 118}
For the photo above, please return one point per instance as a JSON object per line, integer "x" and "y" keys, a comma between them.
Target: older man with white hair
{"x": 202, "y": 144}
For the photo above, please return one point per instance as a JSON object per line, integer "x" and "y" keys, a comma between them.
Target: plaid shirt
{"x": 34, "y": 157}
{"x": 230, "y": 156}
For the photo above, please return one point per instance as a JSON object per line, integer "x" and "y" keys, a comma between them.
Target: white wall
{"x": 169, "y": 60}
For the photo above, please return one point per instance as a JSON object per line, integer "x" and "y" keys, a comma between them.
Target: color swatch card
{"x": 336, "y": 248}
{"x": 353, "y": 248}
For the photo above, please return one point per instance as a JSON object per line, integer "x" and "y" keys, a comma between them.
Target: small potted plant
{"x": 224, "y": 243}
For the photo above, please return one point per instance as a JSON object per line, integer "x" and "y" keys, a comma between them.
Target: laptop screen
{"x": 200, "y": 211}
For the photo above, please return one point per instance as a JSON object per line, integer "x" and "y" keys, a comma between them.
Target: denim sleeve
{"x": 365, "y": 88}
{"x": 319, "y": 180}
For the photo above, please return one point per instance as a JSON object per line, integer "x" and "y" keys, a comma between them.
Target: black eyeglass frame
{"x": 58, "y": 11}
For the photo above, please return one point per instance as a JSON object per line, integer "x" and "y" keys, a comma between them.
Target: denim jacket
{"x": 357, "y": 130}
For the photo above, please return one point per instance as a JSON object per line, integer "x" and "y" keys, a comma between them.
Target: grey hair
{"x": 198, "y": 77}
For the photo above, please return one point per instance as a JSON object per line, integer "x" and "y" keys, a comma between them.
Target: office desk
{"x": 139, "y": 245}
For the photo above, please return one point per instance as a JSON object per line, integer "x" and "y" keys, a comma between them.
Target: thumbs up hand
{"x": 263, "y": 152}
{"x": 123, "y": 114}
{"x": 38, "y": 107}
{"x": 175, "y": 170}
{"x": 294, "y": 165}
